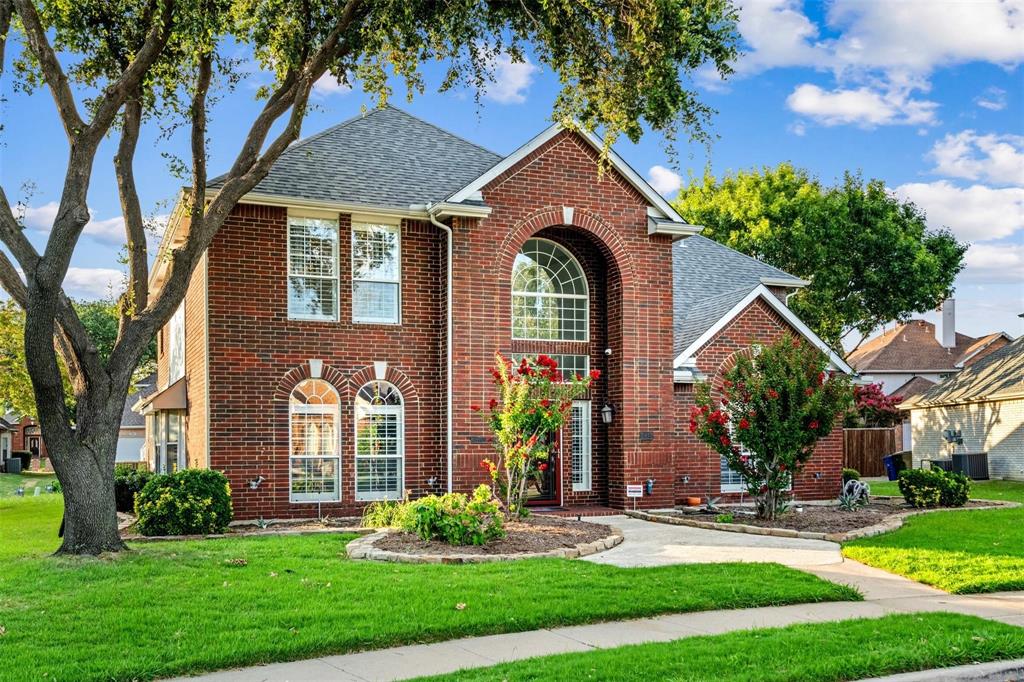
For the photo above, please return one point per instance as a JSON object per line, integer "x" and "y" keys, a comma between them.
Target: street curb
{"x": 996, "y": 671}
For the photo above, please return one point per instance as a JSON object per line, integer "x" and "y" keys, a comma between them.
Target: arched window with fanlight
{"x": 314, "y": 442}
{"x": 550, "y": 299}
{"x": 380, "y": 442}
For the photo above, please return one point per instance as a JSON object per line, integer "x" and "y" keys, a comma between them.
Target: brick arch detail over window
{"x": 608, "y": 240}
{"x": 298, "y": 374}
{"x": 393, "y": 376}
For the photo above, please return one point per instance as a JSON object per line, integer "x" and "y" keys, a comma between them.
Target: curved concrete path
{"x": 660, "y": 544}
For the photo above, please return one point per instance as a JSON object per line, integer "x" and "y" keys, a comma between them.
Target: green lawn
{"x": 957, "y": 551}
{"x": 180, "y": 607}
{"x": 11, "y": 482}
{"x": 826, "y": 652}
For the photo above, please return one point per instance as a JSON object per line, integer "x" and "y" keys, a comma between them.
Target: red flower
{"x": 772, "y": 393}
{"x": 725, "y": 401}
{"x": 813, "y": 425}
{"x": 809, "y": 391}
{"x": 543, "y": 466}
{"x": 485, "y": 465}
{"x": 693, "y": 426}
{"x": 744, "y": 424}
{"x": 782, "y": 467}
{"x": 493, "y": 404}
{"x": 725, "y": 440}
{"x": 475, "y": 408}
{"x": 821, "y": 378}
{"x": 595, "y": 374}
{"x": 545, "y": 403}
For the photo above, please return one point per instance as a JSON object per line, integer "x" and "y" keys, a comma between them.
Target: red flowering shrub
{"x": 873, "y": 408}
{"x": 775, "y": 404}
{"x": 534, "y": 403}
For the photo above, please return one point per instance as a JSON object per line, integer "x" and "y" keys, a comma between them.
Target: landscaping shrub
{"x": 855, "y": 494}
{"x": 456, "y": 518}
{"x": 934, "y": 487}
{"x": 386, "y": 514}
{"x": 850, "y": 475}
{"x": 129, "y": 482}
{"x": 187, "y": 502}
{"x": 57, "y": 487}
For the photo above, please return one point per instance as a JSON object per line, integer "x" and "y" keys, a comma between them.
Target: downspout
{"x": 448, "y": 341}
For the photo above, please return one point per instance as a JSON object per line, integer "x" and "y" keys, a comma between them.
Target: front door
{"x": 33, "y": 445}
{"x": 544, "y": 489}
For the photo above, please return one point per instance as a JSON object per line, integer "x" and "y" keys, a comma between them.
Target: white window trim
{"x": 337, "y": 270}
{"x": 588, "y": 457}
{"x": 585, "y": 297}
{"x": 397, "y": 229}
{"x": 176, "y": 331}
{"x": 316, "y": 498}
{"x": 380, "y": 409}
{"x": 161, "y": 441}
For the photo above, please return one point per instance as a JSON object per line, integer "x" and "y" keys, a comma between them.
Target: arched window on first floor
{"x": 314, "y": 442}
{"x": 380, "y": 442}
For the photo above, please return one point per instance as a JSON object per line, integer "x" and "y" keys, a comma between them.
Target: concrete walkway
{"x": 650, "y": 544}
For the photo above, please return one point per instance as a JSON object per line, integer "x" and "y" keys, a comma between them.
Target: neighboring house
{"x": 916, "y": 350}
{"x": 22, "y": 434}
{"x": 985, "y": 402}
{"x": 131, "y": 437}
{"x": 342, "y": 322}
{"x": 724, "y": 302}
{"x": 6, "y": 440}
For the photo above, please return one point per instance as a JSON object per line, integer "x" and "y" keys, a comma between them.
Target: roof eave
{"x": 789, "y": 283}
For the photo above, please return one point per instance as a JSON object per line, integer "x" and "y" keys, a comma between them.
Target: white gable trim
{"x": 687, "y": 356}
{"x": 472, "y": 190}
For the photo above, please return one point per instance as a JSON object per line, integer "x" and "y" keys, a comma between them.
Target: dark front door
{"x": 33, "y": 445}
{"x": 544, "y": 489}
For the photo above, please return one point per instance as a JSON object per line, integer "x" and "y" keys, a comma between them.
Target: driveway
{"x": 660, "y": 544}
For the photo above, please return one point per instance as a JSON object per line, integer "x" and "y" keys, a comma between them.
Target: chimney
{"x": 947, "y": 326}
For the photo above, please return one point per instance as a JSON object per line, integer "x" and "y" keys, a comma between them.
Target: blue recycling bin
{"x": 893, "y": 465}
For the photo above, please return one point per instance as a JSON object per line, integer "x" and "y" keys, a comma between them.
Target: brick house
{"x": 342, "y": 322}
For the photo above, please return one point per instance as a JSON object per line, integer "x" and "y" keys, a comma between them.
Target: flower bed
{"x": 532, "y": 537}
{"x": 815, "y": 522}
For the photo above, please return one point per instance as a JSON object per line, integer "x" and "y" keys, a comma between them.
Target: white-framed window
{"x": 579, "y": 424}
{"x": 5, "y": 445}
{"x": 314, "y": 452}
{"x": 380, "y": 442}
{"x": 376, "y": 273}
{"x": 176, "y": 345}
{"x": 312, "y": 269}
{"x": 168, "y": 430}
{"x": 568, "y": 365}
{"x": 550, "y": 298}
{"x": 732, "y": 480}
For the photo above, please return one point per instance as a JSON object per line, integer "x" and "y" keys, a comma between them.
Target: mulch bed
{"x": 533, "y": 534}
{"x": 826, "y": 518}
{"x": 126, "y": 524}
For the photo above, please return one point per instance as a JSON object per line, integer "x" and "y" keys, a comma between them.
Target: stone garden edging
{"x": 253, "y": 534}
{"x": 892, "y": 523}
{"x": 362, "y": 548}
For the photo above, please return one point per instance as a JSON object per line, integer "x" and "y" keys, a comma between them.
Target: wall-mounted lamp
{"x": 607, "y": 414}
{"x": 255, "y": 483}
{"x": 649, "y": 486}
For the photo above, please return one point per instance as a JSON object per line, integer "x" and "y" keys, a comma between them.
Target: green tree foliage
{"x": 868, "y": 255}
{"x": 100, "y": 319}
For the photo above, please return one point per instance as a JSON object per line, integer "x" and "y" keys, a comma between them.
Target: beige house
{"x": 985, "y": 402}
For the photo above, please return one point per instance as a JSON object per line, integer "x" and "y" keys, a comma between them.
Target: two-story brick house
{"x": 341, "y": 324}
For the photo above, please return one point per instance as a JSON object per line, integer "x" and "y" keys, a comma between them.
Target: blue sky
{"x": 927, "y": 96}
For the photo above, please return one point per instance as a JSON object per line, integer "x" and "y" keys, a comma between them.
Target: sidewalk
{"x": 651, "y": 545}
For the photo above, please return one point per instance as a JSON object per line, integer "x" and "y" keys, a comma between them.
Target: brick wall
{"x": 758, "y": 323}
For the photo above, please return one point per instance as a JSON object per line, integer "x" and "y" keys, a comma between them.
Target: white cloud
{"x": 994, "y": 263}
{"x": 993, "y": 99}
{"x": 327, "y": 85}
{"x": 968, "y": 155}
{"x": 862, "y": 106}
{"x": 778, "y": 34}
{"x": 109, "y": 231}
{"x": 92, "y": 283}
{"x": 663, "y": 180}
{"x": 511, "y": 80}
{"x": 975, "y": 213}
{"x": 798, "y": 128}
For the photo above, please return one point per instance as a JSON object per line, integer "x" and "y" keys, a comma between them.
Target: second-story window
{"x": 176, "y": 354}
{"x": 312, "y": 269}
{"x": 376, "y": 273}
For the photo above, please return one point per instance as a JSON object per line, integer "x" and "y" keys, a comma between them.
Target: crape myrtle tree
{"x": 868, "y": 255}
{"x": 765, "y": 417}
{"x": 111, "y": 66}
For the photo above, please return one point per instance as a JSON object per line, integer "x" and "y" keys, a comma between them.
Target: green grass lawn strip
{"x": 172, "y": 608}
{"x": 821, "y": 652}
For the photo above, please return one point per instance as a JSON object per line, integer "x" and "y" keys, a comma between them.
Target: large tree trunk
{"x": 90, "y": 518}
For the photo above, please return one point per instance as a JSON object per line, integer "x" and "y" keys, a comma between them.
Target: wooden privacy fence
{"x": 865, "y": 448}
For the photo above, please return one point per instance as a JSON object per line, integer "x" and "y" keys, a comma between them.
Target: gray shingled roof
{"x": 385, "y": 158}
{"x": 144, "y": 388}
{"x": 708, "y": 279}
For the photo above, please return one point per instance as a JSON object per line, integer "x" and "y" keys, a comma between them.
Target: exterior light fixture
{"x": 607, "y": 414}
{"x": 256, "y": 482}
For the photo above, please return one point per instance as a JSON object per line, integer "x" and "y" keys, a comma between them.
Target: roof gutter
{"x": 432, "y": 213}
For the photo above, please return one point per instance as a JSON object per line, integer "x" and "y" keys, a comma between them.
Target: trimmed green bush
{"x": 129, "y": 482}
{"x": 934, "y": 487}
{"x": 187, "y": 502}
{"x": 850, "y": 475}
{"x": 456, "y": 519}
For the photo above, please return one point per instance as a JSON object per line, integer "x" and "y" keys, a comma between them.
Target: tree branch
{"x": 135, "y": 228}
{"x": 11, "y": 282}
{"x": 199, "y": 137}
{"x": 6, "y": 10}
